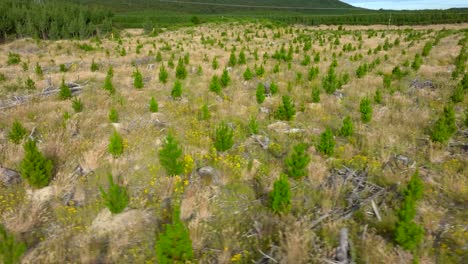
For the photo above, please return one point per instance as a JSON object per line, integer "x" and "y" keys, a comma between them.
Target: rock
{"x": 158, "y": 119}
{"x": 106, "y": 223}
{"x": 267, "y": 86}
{"x": 9, "y": 177}
{"x": 279, "y": 127}
{"x": 208, "y": 175}
{"x": 264, "y": 110}
{"x": 42, "y": 196}
{"x": 263, "y": 141}
{"x": 75, "y": 197}
{"x": 339, "y": 94}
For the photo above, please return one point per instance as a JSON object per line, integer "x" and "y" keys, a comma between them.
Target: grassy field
{"x": 230, "y": 217}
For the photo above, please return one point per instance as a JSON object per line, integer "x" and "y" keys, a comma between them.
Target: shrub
{"x": 170, "y": 157}
{"x": 458, "y": 94}
{"x": 273, "y": 88}
{"x": 116, "y": 144}
{"x": 378, "y": 96}
{"x": 215, "y": 85}
{"x": 17, "y": 132}
{"x": 242, "y": 59}
{"x": 116, "y": 198}
{"x": 65, "y": 92}
{"x": 232, "y": 60}
{"x": 176, "y": 89}
{"x": 153, "y": 105}
{"x": 94, "y": 66}
{"x": 248, "y": 75}
{"x": 163, "y": 74}
{"x": 174, "y": 244}
{"x": 215, "y": 63}
{"x": 387, "y": 81}
{"x": 158, "y": 56}
{"x": 347, "y": 129}
{"x": 280, "y": 196}
{"x": 113, "y": 115}
{"x": 260, "y": 94}
{"x": 296, "y": 163}
{"x": 287, "y": 110}
{"x": 181, "y": 72}
{"x": 108, "y": 86}
{"x": 11, "y": 250}
{"x": 260, "y": 71}
{"x": 224, "y": 135}
{"x": 13, "y": 58}
{"x": 63, "y": 68}
{"x": 417, "y": 62}
{"x": 366, "y": 110}
{"x": 316, "y": 94}
{"x": 313, "y": 73}
{"x": 77, "y": 105}
{"x": 225, "y": 79}
{"x": 137, "y": 79}
{"x": 35, "y": 168}
{"x": 427, "y": 48}
{"x": 327, "y": 143}
{"x": 330, "y": 82}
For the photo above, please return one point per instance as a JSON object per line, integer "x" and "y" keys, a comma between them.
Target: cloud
{"x": 407, "y": 4}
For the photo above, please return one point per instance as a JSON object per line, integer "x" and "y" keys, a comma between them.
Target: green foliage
{"x": 77, "y": 105}
{"x": 108, "y": 86}
{"x": 116, "y": 145}
{"x": 287, "y": 110}
{"x": 113, "y": 115}
{"x": 417, "y": 62}
{"x": 378, "y": 96}
{"x": 181, "y": 72}
{"x": 65, "y": 92}
{"x": 445, "y": 126}
{"x": 174, "y": 244}
{"x": 253, "y": 126}
{"x": 215, "y": 85}
{"x": 280, "y": 196}
{"x": 225, "y": 79}
{"x": 30, "y": 84}
{"x": 116, "y": 198}
{"x": 163, "y": 74}
{"x": 11, "y": 250}
{"x": 224, "y": 137}
{"x": 387, "y": 81}
{"x": 35, "y": 168}
{"x": 176, "y": 91}
{"x": 215, "y": 64}
{"x": 232, "y": 60}
{"x": 153, "y": 105}
{"x": 273, "y": 88}
{"x": 13, "y": 58}
{"x": 170, "y": 156}
{"x": 365, "y": 108}
{"x": 330, "y": 81}
{"x": 427, "y": 48}
{"x": 259, "y": 71}
{"x": 242, "y": 59}
{"x": 248, "y": 75}
{"x": 313, "y": 73}
{"x": 137, "y": 79}
{"x": 17, "y": 132}
{"x": 316, "y": 94}
{"x": 347, "y": 129}
{"x": 38, "y": 70}
{"x": 94, "y": 66}
{"x": 407, "y": 233}
{"x": 297, "y": 162}
{"x": 158, "y": 56}
{"x": 63, "y": 68}
{"x": 327, "y": 143}
{"x": 458, "y": 94}
{"x": 204, "y": 112}
{"x": 362, "y": 70}
{"x": 260, "y": 94}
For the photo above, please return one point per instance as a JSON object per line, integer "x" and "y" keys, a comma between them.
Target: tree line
{"x": 55, "y": 19}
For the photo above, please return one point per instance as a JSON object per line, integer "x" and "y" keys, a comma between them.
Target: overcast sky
{"x": 408, "y": 4}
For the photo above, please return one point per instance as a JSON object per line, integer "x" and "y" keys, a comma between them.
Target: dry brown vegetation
{"x": 229, "y": 219}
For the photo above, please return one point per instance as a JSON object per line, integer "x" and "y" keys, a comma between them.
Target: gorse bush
{"x": 174, "y": 244}
{"x": 176, "y": 91}
{"x": 280, "y": 196}
{"x": 153, "y": 105}
{"x": 35, "y": 168}
{"x": 347, "y": 129}
{"x": 215, "y": 85}
{"x": 170, "y": 156}
{"x": 137, "y": 79}
{"x": 181, "y": 71}
{"x": 17, "y": 132}
{"x": 116, "y": 198}
{"x": 11, "y": 250}
{"x": 224, "y": 137}
{"x": 116, "y": 144}
{"x": 260, "y": 93}
{"x": 65, "y": 92}
{"x": 407, "y": 233}
{"x": 287, "y": 110}
{"x": 327, "y": 143}
{"x": 163, "y": 74}
{"x": 297, "y": 162}
{"x": 113, "y": 115}
{"x": 365, "y": 108}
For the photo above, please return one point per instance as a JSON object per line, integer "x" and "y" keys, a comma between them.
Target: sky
{"x": 408, "y": 4}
